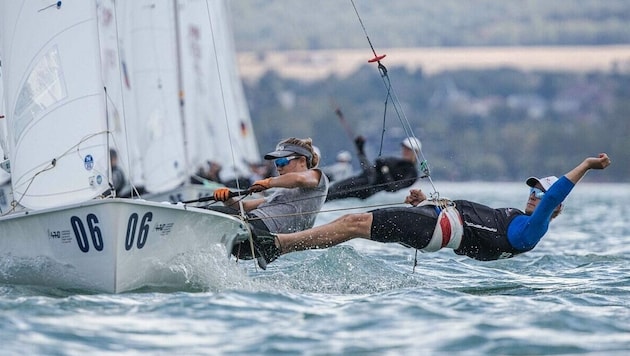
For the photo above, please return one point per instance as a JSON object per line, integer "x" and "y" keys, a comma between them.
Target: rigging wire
{"x": 223, "y": 102}
{"x": 391, "y": 94}
{"x": 122, "y": 63}
{"x": 34, "y": 173}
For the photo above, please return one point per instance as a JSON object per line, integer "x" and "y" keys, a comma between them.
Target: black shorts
{"x": 410, "y": 226}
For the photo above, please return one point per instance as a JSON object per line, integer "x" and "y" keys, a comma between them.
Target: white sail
{"x": 113, "y": 80}
{"x": 4, "y": 176}
{"x": 69, "y": 232}
{"x": 235, "y": 145}
{"x": 214, "y": 114}
{"x": 201, "y": 91}
{"x": 44, "y": 96}
{"x": 6, "y": 195}
{"x": 151, "y": 59}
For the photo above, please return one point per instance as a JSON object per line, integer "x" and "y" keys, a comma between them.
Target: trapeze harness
{"x": 471, "y": 229}
{"x": 449, "y": 227}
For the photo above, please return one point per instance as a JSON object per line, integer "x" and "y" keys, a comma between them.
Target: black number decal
{"x": 79, "y": 233}
{"x": 96, "y": 235}
{"x": 144, "y": 229}
{"x": 131, "y": 231}
{"x": 143, "y": 232}
{"x": 95, "y": 232}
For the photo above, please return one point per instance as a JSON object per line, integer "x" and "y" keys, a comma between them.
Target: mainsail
{"x": 232, "y": 140}
{"x": 110, "y": 58}
{"x": 184, "y": 92}
{"x": 152, "y": 92}
{"x": 43, "y": 96}
{"x": 4, "y": 176}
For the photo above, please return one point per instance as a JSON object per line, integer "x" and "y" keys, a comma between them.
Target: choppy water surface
{"x": 569, "y": 296}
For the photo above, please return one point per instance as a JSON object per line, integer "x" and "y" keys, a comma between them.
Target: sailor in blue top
{"x": 469, "y": 228}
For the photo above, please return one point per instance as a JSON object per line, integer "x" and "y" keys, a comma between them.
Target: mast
{"x": 180, "y": 88}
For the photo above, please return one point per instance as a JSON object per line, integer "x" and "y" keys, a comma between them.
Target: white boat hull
{"x": 110, "y": 245}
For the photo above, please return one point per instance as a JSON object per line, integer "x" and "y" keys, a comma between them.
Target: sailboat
{"x": 73, "y": 232}
{"x": 187, "y": 98}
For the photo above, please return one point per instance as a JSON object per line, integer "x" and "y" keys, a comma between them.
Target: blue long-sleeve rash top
{"x": 525, "y": 231}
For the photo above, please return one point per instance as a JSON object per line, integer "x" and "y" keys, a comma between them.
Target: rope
{"x": 345, "y": 191}
{"x": 328, "y": 210}
{"x": 52, "y": 164}
{"x": 391, "y": 93}
{"x": 434, "y": 197}
{"x": 223, "y": 99}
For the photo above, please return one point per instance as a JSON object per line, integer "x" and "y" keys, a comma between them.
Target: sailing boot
{"x": 264, "y": 247}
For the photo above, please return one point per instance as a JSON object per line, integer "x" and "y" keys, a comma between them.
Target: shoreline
{"x": 317, "y": 65}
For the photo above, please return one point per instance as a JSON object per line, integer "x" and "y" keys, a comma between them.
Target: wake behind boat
{"x": 61, "y": 122}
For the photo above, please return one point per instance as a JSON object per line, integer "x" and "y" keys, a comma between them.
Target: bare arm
{"x": 306, "y": 179}
{"x": 600, "y": 162}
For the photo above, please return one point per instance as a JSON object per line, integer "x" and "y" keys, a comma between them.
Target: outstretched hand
{"x": 600, "y": 162}
{"x": 415, "y": 197}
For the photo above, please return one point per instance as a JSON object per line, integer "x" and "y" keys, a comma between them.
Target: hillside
{"x": 496, "y": 90}
{"x": 271, "y": 25}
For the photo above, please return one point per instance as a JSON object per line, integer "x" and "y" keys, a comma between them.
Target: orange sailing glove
{"x": 260, "y": 185}
{"x": 222, "y": 194}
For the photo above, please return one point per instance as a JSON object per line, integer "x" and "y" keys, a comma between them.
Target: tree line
{"x": 493, "y": 125}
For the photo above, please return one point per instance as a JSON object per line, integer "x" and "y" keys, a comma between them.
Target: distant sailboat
{"x": 188, "y": 101}
{"x": 6, "y": 194}
{"x": 72, "y": 233}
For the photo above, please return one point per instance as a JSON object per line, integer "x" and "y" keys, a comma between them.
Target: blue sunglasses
{"x": 538, "y": 194}
{"x": 283, "y": 161}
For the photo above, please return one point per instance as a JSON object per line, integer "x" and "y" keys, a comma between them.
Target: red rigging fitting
{"x": 376, "y": 58}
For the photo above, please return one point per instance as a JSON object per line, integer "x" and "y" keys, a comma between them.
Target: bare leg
{"x": 340, "y": 230}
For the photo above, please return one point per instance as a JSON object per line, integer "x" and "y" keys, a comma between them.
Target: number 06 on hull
{"x": 111, "y": 245}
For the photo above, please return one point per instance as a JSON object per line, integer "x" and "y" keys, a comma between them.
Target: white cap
{"x": 546, "y": 182}
{"x": 412, "y": 143}
{"x": 344, "y": 156}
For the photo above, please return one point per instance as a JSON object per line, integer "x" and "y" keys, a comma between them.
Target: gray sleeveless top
{"x": 292, "y": 209}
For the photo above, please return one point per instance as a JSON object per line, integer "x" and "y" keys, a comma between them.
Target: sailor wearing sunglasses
{"x": 469, "y": 228}
{"x": 299, "y": 190}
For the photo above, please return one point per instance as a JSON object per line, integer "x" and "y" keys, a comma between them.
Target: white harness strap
{"x": 448, "y": 229}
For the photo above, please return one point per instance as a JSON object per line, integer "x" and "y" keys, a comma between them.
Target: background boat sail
{"x": 71, "y": 234}
{"x": 6, "y": 195}
{"x": 188, "y": 100}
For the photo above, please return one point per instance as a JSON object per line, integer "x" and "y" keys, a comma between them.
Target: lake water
{"x": 569, "y": 296}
